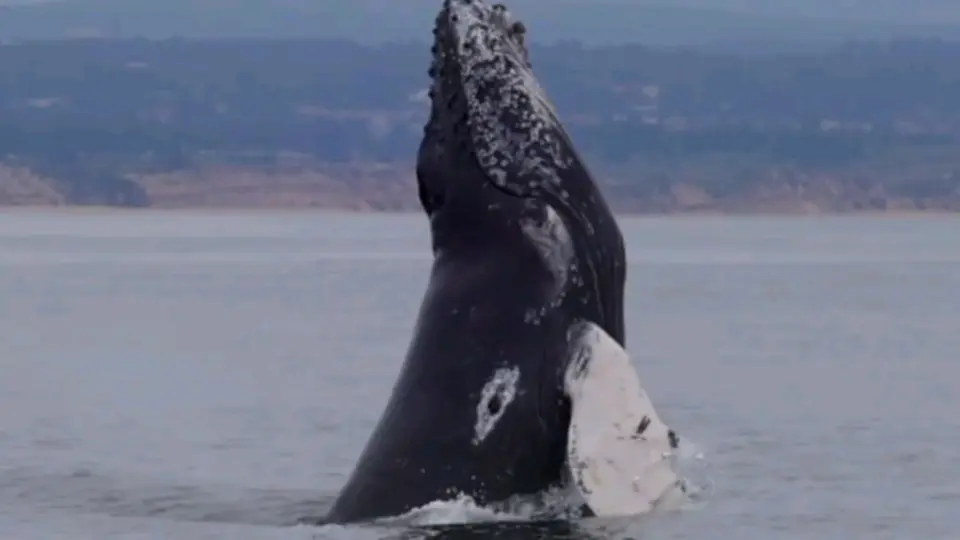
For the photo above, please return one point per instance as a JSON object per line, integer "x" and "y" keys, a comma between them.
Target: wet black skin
{"x": 486, "y": 280}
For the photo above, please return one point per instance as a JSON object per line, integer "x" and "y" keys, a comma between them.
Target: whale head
{"x": 495, "y": 152}
{"x": 488, "y": 109}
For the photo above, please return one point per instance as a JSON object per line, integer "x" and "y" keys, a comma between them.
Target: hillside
{"x": 870, "y": 125}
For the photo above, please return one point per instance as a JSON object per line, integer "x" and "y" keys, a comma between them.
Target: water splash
{"x": 695, "y": 475}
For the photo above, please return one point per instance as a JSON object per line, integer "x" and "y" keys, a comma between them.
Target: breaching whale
{"x": 516, "y": 380}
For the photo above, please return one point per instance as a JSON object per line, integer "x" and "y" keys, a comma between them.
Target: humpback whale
{"x": 516, "y": 380}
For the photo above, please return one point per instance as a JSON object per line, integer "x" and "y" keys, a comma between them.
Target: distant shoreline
{"x": 336, "y": 126}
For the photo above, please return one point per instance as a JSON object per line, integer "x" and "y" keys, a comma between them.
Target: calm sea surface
{"x": 193, "y": 376}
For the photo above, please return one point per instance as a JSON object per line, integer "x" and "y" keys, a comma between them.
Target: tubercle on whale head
{"x": 486, "y": 102}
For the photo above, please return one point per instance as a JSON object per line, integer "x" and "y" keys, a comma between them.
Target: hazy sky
{"x": 665, "y": 22}
{"x": 915, "y": 10}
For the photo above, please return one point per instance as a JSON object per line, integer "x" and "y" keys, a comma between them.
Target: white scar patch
{"x": 552, "y": 240}
{"x": 496, "y": 395}
{"x": 513, "y": 124}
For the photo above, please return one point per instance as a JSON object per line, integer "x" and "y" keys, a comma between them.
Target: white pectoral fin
{"x": 619, "y": 451}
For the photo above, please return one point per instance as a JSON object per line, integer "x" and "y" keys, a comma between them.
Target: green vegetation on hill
{"x": 90, "y": 111}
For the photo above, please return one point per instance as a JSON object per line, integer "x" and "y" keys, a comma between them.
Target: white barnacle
{"x": 496, "y": 395}
{"x": 498, "y": 175}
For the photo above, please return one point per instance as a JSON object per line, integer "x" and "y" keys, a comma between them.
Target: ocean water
{"x": 191, "y": 376}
